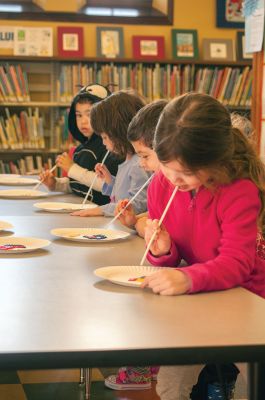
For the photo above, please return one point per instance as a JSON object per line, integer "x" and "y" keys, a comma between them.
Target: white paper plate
{"x": 125, "y": 275}
{"x": 5, "y": 225}
{"x": 30, "y": 244}
{"x": 62, "y": 207}
{"x": 9, "y": 175}
{"x": 77, "y": 234}
{"x": 22, "y": 194}
{"x": 17, "y": 181}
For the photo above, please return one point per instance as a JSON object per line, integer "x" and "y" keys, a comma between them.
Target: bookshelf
{"x": 52, "y": 83}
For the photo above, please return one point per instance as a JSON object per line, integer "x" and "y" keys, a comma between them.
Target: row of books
{"x": 23, "y": 131}
{"x": 26, "y": 131}
{"x": 13, "y": 83}
{"x": 233, "y": 86}
{"x": 28, "y": 165}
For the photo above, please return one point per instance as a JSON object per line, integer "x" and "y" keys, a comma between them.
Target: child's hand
{"x": 127, "y": 217}
{"x": 103, "y": 173}
{"x": 48, "y": 179}
{"x": 162, "y": 241}
{"x": 168, "y": 282}
{"x": 89, "y": 212}
{"x": 64, "y": 161}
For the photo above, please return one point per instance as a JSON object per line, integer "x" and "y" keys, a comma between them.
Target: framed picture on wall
{"x": 70, "y": 41}
{"x": 185, "y": 44}
{"x": 240, "y": 47}
{"x": 148, "y": 47}
{"x": 229, "y": 14}
{"x": 110, "y": 42}
{"x": 218, "y": 50}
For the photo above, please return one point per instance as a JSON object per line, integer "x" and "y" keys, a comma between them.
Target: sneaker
{"x": 154, "y": 372}
{"x": 129, "y": 379}
{"x": 215, "y": 391}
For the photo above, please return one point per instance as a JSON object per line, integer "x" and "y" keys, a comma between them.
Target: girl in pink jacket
{"x": 217, "y": 213}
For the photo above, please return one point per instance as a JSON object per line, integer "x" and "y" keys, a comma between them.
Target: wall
{"x": 161, "y": 5}
{"x": 187, "y": 15}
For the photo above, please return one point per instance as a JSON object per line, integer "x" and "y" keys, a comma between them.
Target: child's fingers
{"x": 99, "y": 170}
{"x": 122, "y": 204}
{"x": 81, "y": 213}
{"x": 44, "y": 175}
{"x": 152, "y": 223}
{"x": 119, "y": 207}
{"x": 149, "y": 280}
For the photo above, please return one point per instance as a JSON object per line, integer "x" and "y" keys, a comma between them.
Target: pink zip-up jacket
{"x": 214, "y": 232}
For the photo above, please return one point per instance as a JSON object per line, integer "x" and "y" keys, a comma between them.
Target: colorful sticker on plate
{"x": 139, "y": 279}
{"x": 12, "y": 246}
{"x": 95, "y": 237}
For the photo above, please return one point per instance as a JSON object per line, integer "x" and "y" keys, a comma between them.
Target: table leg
{"x": 82, "y": 377}
{"x": 256, "y": 381}
{"x": 88, "y": 372}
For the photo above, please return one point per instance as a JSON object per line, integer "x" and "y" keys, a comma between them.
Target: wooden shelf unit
{"x": 43, "y": 77}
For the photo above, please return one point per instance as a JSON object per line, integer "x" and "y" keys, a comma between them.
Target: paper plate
{"x": 78, "y": 234}
{"x": 5, "y": 225}
{"x": 22, "y": 194}
{"x": 9, "y": 175}
{"x": 31, "y": 244}
{"x": 128, "y": 275}
{"x": 62, "y": 207}
{"x": 17, "y": 181}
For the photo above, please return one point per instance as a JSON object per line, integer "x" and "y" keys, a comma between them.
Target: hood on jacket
{"x": 94, "y": 93}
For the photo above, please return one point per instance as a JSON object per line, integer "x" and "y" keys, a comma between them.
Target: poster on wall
{"x": 36, "y": 42}
{"x": 254, "y": 25}
{"x": 229, "y": 14}
{"x": 70, "y": 41}
{"x": 6, "y": 37}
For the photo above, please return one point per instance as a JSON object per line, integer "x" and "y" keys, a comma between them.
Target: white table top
{"x": 56, "y": 313}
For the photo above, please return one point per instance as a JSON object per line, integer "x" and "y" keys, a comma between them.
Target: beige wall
{"x": 187, "y": 15}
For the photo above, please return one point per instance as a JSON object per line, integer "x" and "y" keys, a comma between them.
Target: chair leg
{"x": 82, "y": 376}
{"x": 88, "y": 373}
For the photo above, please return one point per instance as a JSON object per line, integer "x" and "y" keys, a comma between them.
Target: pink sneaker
{"x": 154, "y": 372}
{"x": 129, "y": 378}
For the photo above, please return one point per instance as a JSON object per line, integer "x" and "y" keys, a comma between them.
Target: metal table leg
{"x": 82, "y": 377}
{"x": 256, "y": 379}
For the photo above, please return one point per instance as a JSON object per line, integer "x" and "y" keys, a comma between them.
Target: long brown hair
{"x": 113, "y": 115}
{"x": 196, "y": 129}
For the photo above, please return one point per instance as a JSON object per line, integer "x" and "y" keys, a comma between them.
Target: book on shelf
{"x": 28, "y": 165}
{"x": 229, "y": 87}
{"x": 225, "y": 80}
{"x": 245, "y": 89}
{"x": 152, "y": 81}
{"x": 23, "y": 131}
{"x": 13, "y": 84}
{"x": 235, "y": 90}
{"x": 242, "y": 85}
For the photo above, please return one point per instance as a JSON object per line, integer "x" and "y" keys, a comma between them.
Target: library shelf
{"x": 51, "y": 83}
